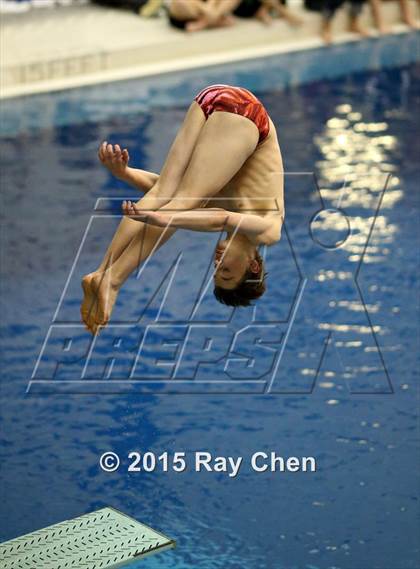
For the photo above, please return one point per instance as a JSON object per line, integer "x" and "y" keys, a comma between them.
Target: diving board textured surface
{"x": 103, "y": 539}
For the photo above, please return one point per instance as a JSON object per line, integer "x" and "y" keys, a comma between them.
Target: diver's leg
{"x": 126, "y": 232}
{"x": 179, "y": 154}
{"x": 170, "y": 177}
{"x": 106, "y": 285}
{"x": 225, "y": 142}
{"x": 173, "y": 169}
{"x": 161, "y": 193}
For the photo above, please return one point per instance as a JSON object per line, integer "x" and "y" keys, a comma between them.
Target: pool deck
{"x": 65, "y": 47}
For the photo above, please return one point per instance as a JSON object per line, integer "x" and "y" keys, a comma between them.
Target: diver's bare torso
{"x": 257, "y": 187}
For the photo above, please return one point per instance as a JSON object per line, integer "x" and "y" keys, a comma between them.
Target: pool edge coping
{"x": 183, "y": 64}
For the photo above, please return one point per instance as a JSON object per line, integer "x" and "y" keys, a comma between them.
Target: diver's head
{"x": 239, "y": 274}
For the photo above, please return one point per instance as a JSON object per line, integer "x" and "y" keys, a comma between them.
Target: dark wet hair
{"x": 251, "y": 287}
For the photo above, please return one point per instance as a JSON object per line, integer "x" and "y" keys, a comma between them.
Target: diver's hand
{"x": 115, "y": 159}
{"x": 201, "y": 219}
{"x": 151, "y": 217}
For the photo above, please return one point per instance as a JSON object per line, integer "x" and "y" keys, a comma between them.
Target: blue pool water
{"x": 334, "y": 378}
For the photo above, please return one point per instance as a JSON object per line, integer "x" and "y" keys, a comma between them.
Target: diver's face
{"x": 231, "y": 263}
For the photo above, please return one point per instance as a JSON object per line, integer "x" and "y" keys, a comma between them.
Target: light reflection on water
{"x": 359, "y": 159}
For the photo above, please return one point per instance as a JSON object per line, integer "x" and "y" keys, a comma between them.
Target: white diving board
{"x": 103, "y": 539}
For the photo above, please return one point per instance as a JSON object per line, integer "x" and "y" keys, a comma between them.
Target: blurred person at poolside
{"x": 407, "y": 15}
{"x": 224, "y": 172}
{"x": 131, "y": 5}
{"x": 195, "y": 15}
{"x": 328, "y": 9}
{"x": 264, "y": 10}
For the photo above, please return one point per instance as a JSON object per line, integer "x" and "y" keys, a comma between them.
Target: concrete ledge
{"x": 56, "y": 49}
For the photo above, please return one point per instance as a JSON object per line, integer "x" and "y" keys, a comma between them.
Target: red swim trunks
{"x": 236, "y": 100}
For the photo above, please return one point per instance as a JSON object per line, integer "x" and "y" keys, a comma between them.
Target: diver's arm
{"x": 140, "y": 179}
{"x": 116, "y": 160}
{"x": 196, "y": 220}
{"x": 261, "y": 230}
{"x": 264, "y": 230}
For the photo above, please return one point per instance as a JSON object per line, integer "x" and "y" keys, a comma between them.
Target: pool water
{"x": 338, "y": 379}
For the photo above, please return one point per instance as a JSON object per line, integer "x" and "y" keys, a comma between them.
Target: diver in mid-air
{"x": 225, "y": 161}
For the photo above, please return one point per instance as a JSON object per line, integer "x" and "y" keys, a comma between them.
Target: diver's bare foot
{"x": 89, "y": 299}
{"x": 92, "y": 325}
{"x": 106, "y": 292}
